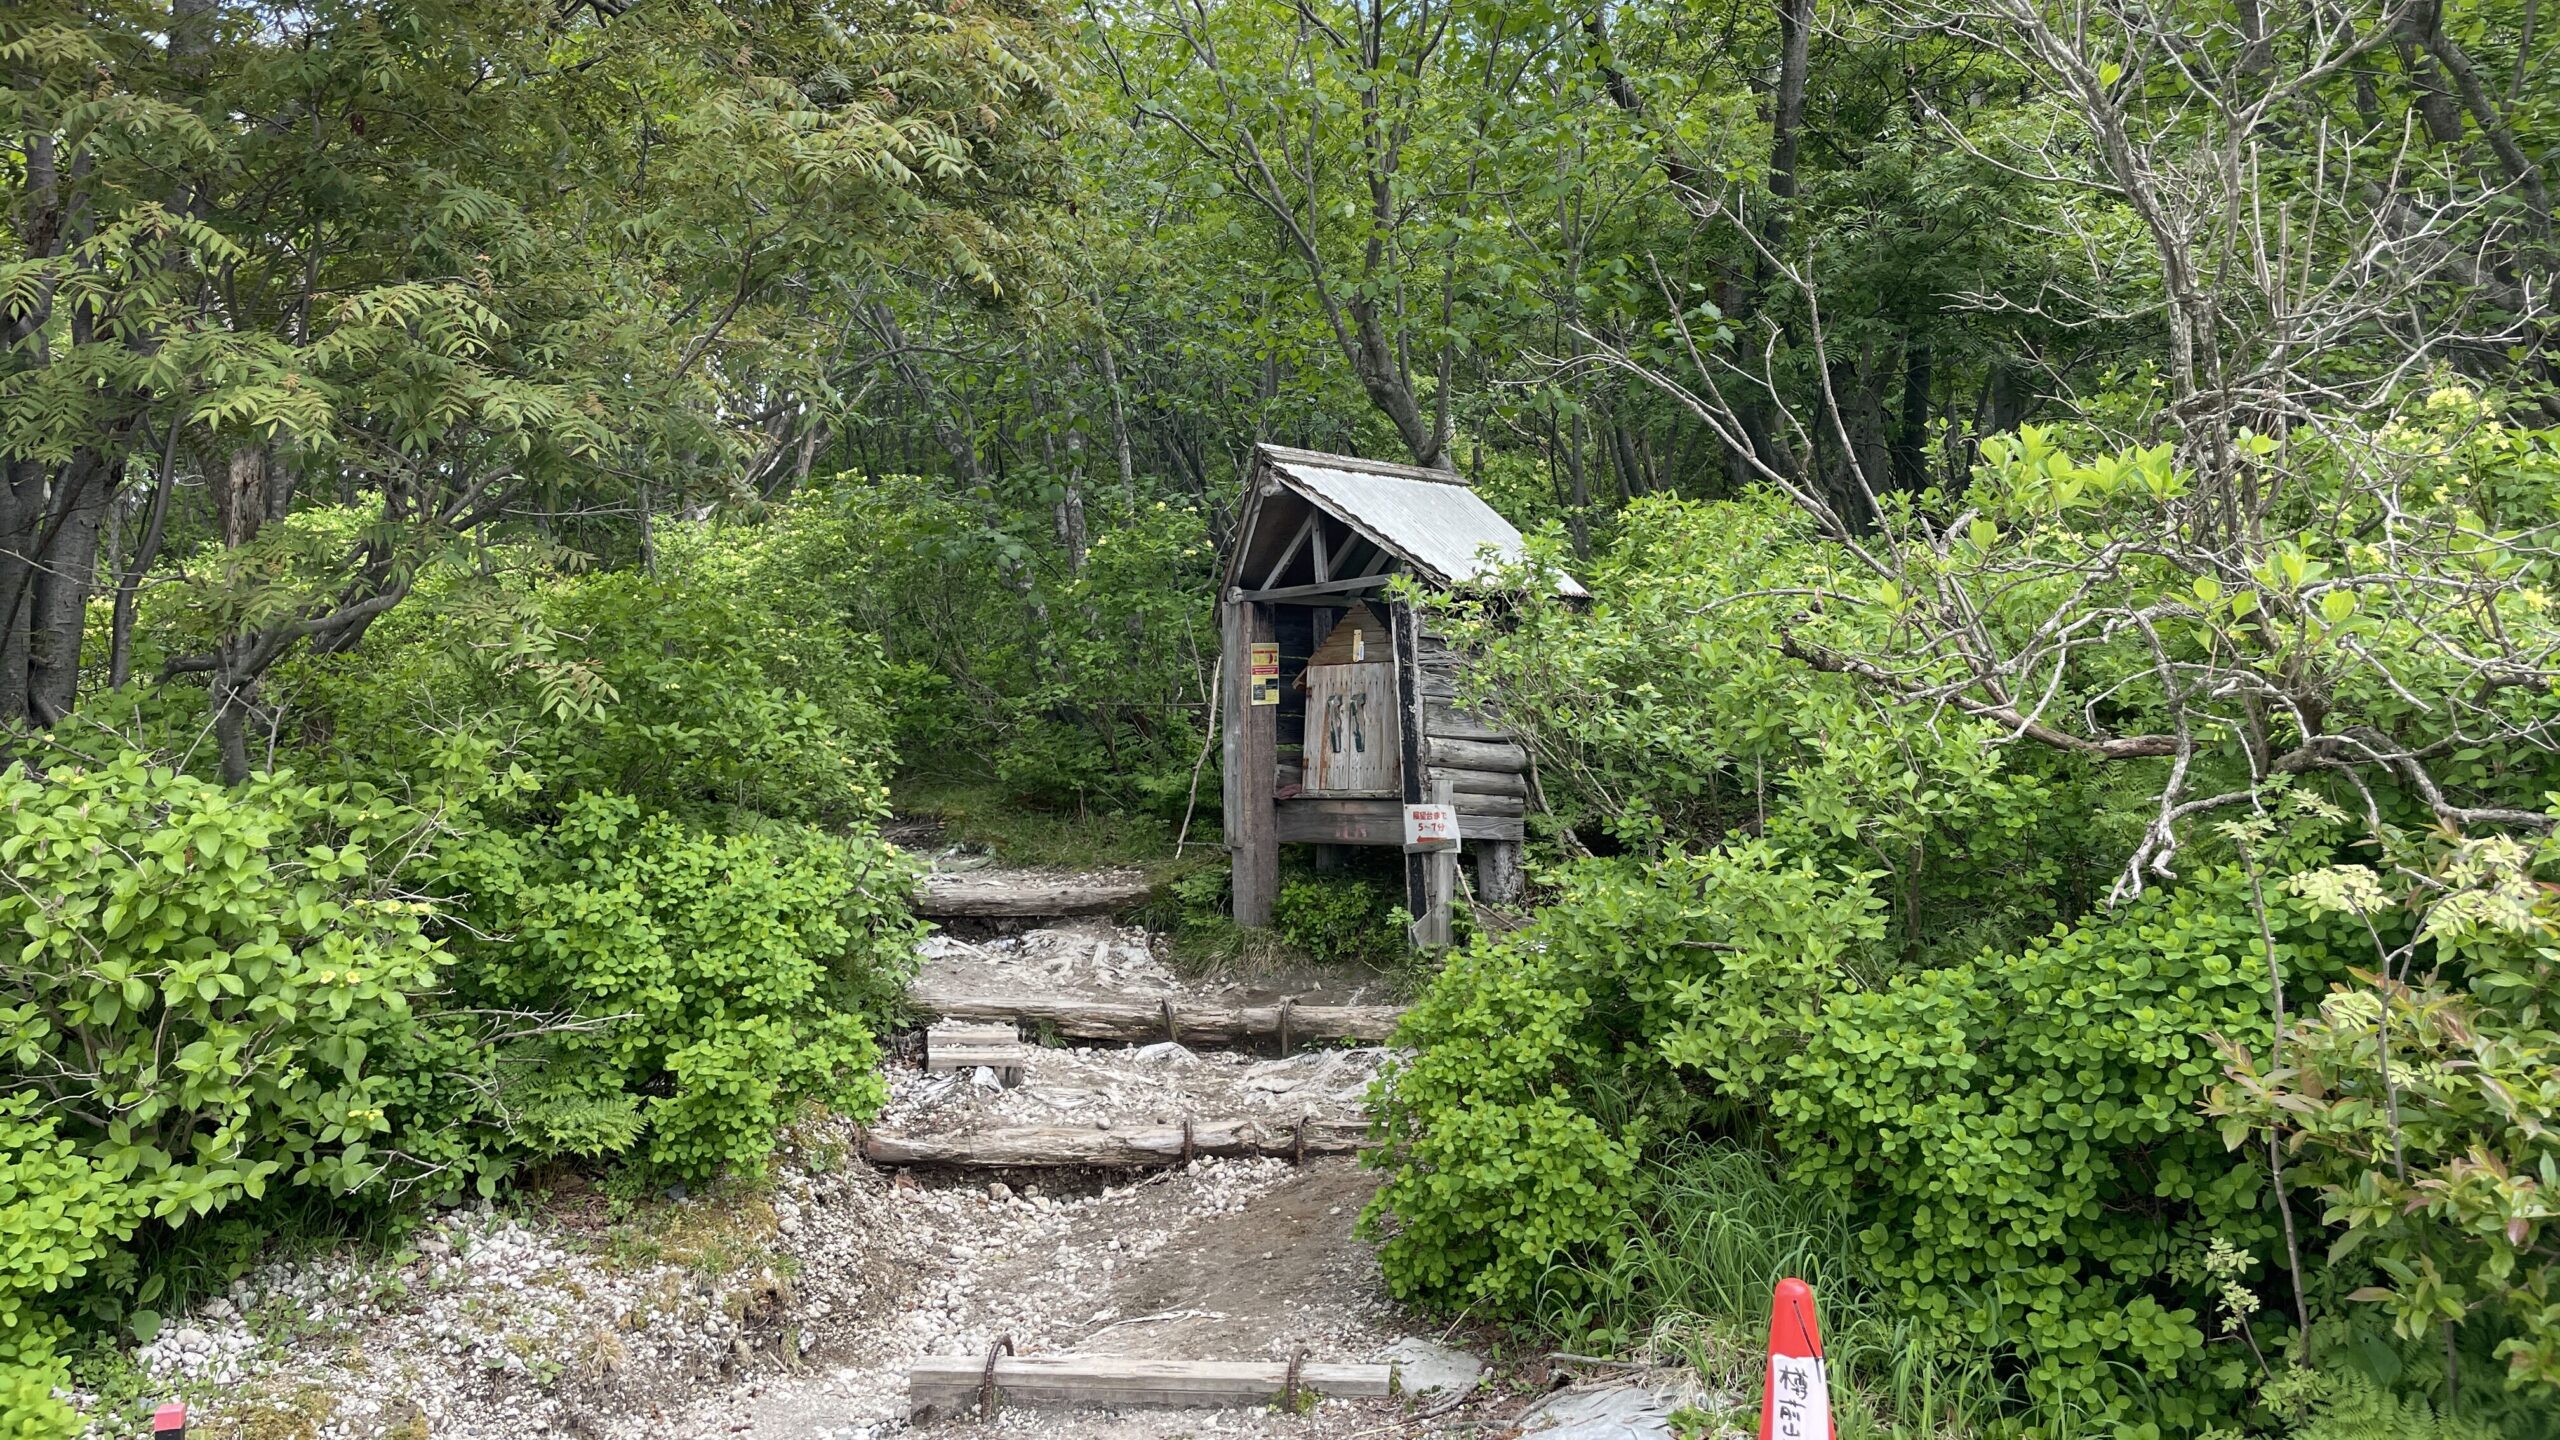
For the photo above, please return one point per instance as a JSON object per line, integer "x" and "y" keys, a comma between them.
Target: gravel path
{"x": 794, "y": 1309}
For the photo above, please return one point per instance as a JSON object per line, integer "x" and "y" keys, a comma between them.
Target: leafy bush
{"x": 2421, "y": 1099}
{"x": 210, "y": 991}
{"x": 61, "y": 1213}
{"x": 717, "y": 981}
{"x": 1076, "y": 687}
{"x": 205, "y": 974}
{"x": 1341, "y": 917}
{"x": 569, "y": 864}
{"x": 2018, "y": 1139}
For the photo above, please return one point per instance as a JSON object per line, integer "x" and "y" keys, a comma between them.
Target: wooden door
{"x": 1352, "y": 742}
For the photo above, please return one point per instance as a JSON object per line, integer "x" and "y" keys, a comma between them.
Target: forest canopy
{"x": 2059, "y": 760}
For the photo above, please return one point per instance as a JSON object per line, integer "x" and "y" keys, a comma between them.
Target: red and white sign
{"x": 1431, "y": 827}
{"x": 1798, "y": 1403}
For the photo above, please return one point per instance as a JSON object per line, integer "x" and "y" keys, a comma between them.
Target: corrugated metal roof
{"x": 1441, "y": 527}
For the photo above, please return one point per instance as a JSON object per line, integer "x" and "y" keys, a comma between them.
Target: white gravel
{"x": 794, "y": 1309}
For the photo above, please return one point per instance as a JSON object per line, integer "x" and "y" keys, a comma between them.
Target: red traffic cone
{"x": 1798, "y": 1403}
{"x": 169, "y": 1422}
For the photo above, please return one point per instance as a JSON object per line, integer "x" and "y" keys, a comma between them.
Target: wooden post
{"x": 1253, "y": 759}
{"x": 1402, "y": 635}
{"x": 1441, "y": 880}
{"x": 1498, "y": 878}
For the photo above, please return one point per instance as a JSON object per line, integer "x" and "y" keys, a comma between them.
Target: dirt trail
{"x": 796, "y": 1310}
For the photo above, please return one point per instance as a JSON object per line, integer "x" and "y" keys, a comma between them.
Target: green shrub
{"x": 203, "y": 975}
{"x": 61, "y": 1214}
{"x": 210, "y": 994}
{"x": 1340, "y": 918}
{"x": 713, "y": 982}
{"x": 2018, "y": 1140}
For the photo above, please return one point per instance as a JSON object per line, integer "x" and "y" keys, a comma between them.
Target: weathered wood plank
{"x": 1484, "y": 782}
{"x": 1025, "y": 894}
{"x": 1475, "y": 754}
{"x": 1086, "y": 1018}
{"x": 950, "y": 1386}
{"x": 1123, "y": 1147}
{"x": 1378, "y": 822}
{"x": 1456, "y": 724}
{"x": 1471, "y": 803}
{"x": 1256, "y": 861}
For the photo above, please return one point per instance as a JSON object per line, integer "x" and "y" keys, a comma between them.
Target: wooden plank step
{"x": 960, "y": 1045}
{"x": 1086, "y": 1018}
{"x": 1028, "y": 894}
{"x": 1123, "y": 1147}
{"x": 949, "y": 1386}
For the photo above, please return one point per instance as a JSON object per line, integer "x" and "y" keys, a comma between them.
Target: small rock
{"x": 999, "y": 1192}
{"x": 905, "y": 1180}
{"x": 1425, "y": 1367}
{"x": 1163, "y": 1052}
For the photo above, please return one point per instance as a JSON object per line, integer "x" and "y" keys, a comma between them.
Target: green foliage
{"x": 1342, "y": 917}
{"x": 1082, "y": 687}
{"x": 61, "y": 1213}
{"x": 2421, "y": 1099}
{"x": 2017, "y": 1140}
{"x": 718, "y": 982}
{"x": 575, "y": 864}
{"x": 1666, "y": 712}
{"x": 2340, "y": 1404}
{"x": 205, "y": 975}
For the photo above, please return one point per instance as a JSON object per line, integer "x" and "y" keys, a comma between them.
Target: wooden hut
{"x": 1341, "y": 703}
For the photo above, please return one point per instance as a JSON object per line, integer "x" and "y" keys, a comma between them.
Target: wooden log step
{"x": 1028, "y": 894}
{"x": 1502, "y": 755}
{"x": 1084, "y": 1018}
{"x": 951, "y": 1386}
{"x": 1124, "y": 1147}
{"x": 960, "y": 1045}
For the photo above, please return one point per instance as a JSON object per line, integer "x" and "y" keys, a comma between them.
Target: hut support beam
{"x": 1252, "y": 758}
{"x": 1498, "y": 877}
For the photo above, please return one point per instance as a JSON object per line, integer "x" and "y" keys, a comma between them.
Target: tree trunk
{"x": 59, "y": 598}
{"x": 1911, "y": 436}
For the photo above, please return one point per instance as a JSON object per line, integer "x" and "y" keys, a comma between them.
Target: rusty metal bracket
{"x": 1287, "y": 1004}
{"x": 987, "y": 1382}
{"x": 1289, "y": 1390}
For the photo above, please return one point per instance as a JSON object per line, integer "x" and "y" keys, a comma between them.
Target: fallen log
{"x": 1084, "y": 1018}
{"x": 1025, "y": 894}
{"x": 1124, "y": 1147}
{"x": 950, "y": 1386}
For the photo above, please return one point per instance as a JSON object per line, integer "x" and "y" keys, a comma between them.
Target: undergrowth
{"x": 1719, "y": 1227}
{"x": 983, "y": 815}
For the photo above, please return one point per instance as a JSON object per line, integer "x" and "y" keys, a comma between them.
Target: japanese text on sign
{"x": 1430, "y": 827}
{"x": 1265, "y": 672}
{"x": 1799, "y": 1400}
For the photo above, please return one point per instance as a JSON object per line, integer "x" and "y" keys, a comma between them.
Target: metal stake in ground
{"x": 987, "y": 1383}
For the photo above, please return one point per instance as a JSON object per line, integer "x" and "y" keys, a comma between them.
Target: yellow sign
{"x": 1265, "y": 670}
